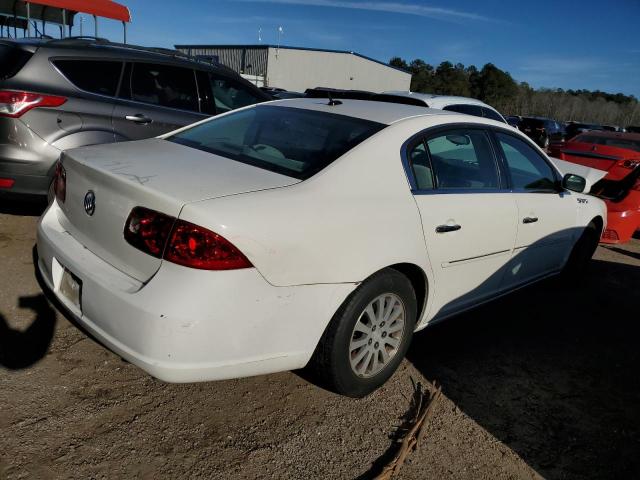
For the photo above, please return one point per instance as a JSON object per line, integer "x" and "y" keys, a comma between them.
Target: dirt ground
{"x": 543, "y": 383}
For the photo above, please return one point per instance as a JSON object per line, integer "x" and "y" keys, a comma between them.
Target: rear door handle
{"x": 139, "y": 118}
{"x": 529, "y": 219}
{"x": 447, "y": 228}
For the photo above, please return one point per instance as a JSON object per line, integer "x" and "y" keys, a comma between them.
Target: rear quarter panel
{"x": 352, "y": 219}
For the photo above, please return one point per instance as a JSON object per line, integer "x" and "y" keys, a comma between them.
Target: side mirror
{"x": 574, "y": 182}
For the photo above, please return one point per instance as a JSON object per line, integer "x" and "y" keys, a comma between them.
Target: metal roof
{"x": 287, "y": 47}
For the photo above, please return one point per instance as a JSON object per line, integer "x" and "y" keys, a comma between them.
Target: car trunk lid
{"x": 602, "y": 157}
{"x": 155, "y": 174}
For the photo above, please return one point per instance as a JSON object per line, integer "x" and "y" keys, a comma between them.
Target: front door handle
{"x": 447, "y": 228}
{"x": 529, "y": 219}
{"x": 139, "y": 118}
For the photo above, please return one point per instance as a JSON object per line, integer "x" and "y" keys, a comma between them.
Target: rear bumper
{"x": 621, "y": 226}
{"x": 189, "y": 325}
{"x": 25, "y": 158}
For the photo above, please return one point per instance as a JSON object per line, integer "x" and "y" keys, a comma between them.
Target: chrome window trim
{"x": 504, "y": 186}
{"x": 504, "y": 177}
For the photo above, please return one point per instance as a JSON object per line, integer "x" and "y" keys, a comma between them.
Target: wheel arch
{"x": 599, "y": 221}
{"x": 419, "y": 282}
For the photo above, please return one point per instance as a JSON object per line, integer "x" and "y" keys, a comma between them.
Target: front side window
{"x": 229, "y": 94}
{"x": 529, "y": 171}
{"x": 95, "y": 76}
{"x": 290, "y": 141}
{"x": 164, "y": 85}
{"x": 463, "y": 159}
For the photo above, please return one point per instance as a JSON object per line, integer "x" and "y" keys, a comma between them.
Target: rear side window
{"x": 291, "y": 141}
{"x": 421, "y": 166}
{"x": 164, "y": 85}
{"x": 95, "y": 76}
{"x": 474, "y": 110}
{"x": 463, "y": 159}
{"x": 491, "y": 114}
{"x": 12, "y": 59}
{"x": 529, "y": 171}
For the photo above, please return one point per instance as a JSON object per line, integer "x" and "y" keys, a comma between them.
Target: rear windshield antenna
{"x": 333, "y": 102}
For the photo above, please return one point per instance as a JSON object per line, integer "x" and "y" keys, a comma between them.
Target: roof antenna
{"x": 333, "y": 102}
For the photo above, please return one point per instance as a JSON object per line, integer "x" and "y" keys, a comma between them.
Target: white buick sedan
{"x": 304, "y": 232}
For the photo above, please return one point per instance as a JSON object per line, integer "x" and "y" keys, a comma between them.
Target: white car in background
{"x": 466, "y": 105}
{"x": 304, "y": 232}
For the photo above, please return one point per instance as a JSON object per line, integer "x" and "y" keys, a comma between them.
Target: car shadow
{"x": 622, "y": 251}
{"x": 30, "y": 208}
{"x": 22, "y": 348}
{"x": 551, "y": 371}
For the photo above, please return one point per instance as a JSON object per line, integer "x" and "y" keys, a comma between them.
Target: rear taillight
{"x": 181, "y": 242}
{"x": 630, "y": 164}
{"x": 7, "y": 182}
{"x": 610, "y": 235}
{"x": 15, "y": 104}
{"x": 148, "y": 230}
{"x": 197, "y": 247}
{"x": 60, "y": 183}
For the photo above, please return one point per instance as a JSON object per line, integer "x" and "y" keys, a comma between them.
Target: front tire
{"x": 368, "y": 336}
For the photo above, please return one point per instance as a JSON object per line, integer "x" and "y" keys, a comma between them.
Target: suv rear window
{"x": 12, "y": 59}
{"x": 532, "y": 123}
{"x": 95, "y": 76}
{"x": 290, "y": 141}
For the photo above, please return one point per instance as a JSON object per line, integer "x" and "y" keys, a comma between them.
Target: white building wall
{"x": 298, "y": 70}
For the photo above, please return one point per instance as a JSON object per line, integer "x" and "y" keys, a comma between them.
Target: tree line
{"x": 497, "y": 88}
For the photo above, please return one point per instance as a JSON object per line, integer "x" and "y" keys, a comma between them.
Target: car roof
{"x": 381, "y": 112}
{"x": 438, "y": 100}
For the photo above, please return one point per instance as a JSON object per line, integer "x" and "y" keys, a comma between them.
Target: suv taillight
{"x": 60, "y": 182}
{"x": 184, "y": 243}
{"x": 15, "y": 104}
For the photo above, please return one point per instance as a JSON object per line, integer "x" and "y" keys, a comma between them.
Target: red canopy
{"x": 99, "y": 8}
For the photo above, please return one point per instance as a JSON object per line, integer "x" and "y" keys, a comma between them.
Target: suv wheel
{"x": 368, "y": 336}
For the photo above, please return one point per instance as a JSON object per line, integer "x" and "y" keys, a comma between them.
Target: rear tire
{"x": 368, "y": 336}
{"x": 583, "y": 250}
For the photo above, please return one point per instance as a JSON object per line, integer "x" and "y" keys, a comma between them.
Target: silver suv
{"x": 61, "y": 94}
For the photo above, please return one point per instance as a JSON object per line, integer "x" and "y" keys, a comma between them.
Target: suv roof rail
{"x": 88, "y": 38}
{"x": 107, "y": 42}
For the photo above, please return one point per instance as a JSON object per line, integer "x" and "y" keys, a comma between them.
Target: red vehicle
{"x": 619, "y": 155}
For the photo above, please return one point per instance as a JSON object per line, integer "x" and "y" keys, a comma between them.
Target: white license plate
{"x": 71, "y": 288}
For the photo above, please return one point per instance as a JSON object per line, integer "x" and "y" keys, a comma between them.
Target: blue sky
{"x": 567, "y": 44}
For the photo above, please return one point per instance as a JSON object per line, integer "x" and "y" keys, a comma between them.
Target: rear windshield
{"x": 609, "y": 141}
{"x": 532, "y": 122}
{"x": 12, "y": 59}
{"x": 291, "y": 141}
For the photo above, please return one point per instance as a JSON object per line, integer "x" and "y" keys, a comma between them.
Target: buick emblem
{"x": 90, "y": 203}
